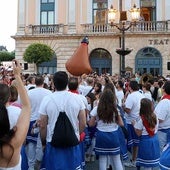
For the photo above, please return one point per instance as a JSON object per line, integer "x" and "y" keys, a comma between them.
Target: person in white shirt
{"x": 30, "y": 82}
{"x": 146, "y": 127}
{"x": 146, "y": 91}
{"x": 108, "y": 120}
{"x": 33, "y": 146}
{"x": 119, "y": 92}
{"x": 162, "y": 111}
{"x": 132, "y": 107}
{"x": 59, "y": 101}
{"x": 85, "y": 89}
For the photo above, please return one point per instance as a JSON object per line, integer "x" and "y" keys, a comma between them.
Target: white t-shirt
{"x": 29, "y": 86}
{"x": 139, "y": 125}
{"x": 133, "y": 103}
{"x": 162, "y": 111}
{"x": 105, "y": 127}
{"x": 84, "y": 99}
{"x": 120, "y": 97}
{"x": 36, "y": 95}
{"x": 148, "y": 95}
{"x": 58, "y": 101}
{"x": 13, "y": 114}
{"x": 84, "y": 90}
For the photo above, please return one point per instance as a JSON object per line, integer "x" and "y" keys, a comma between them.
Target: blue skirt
{"x": 148, "y": 151}
{"x": 164, "y": 163}
{"x": 31, "y": 137}
{"x": 123, "y": 147}
{"x": 132, "y": 139}
{"x": 62, "y": 158}
{"x": 107, "y": 143}
{"x": 24, "y": 161}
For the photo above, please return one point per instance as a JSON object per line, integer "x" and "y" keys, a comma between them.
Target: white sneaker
{"x": 130, "y": 164}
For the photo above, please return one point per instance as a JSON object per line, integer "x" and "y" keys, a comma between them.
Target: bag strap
{"x": 64, "y": 104}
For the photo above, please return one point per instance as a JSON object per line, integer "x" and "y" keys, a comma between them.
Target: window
{"x": 46, "y": 1}
{"x": 100, "y": 11}
{"x": 47, "y": 12}
{"x": 148, "y": 10}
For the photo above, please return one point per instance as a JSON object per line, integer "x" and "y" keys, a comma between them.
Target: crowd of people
{"x": 119, "y": 121}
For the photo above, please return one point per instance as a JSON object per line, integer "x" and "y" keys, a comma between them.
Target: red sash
{"x": 150, "y": 131}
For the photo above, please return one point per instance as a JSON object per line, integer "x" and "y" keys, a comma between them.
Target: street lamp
{"x": 135, "y": 15}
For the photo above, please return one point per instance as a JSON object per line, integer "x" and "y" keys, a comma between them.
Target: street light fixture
{"x": 135, "y": 15}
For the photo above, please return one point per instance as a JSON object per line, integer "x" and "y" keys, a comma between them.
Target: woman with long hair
{"x": 146, "y": 127}
{"x": 108, "y": 119}
{"x": 12, "y": 134}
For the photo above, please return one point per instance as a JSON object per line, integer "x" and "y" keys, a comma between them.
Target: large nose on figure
{"x": 78, "y": 63}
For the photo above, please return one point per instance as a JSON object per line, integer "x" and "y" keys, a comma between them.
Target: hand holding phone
{"x": 16, "y": 67}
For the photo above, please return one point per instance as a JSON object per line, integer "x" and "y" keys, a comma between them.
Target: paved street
{"x": 94, "y": 166}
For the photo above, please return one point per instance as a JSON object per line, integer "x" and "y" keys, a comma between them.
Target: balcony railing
{"x": 140, "y": 27}
{"x": 45, "y": 29}
{"x": 147, "y": 26}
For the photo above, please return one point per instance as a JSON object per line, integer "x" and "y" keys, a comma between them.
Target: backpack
{"x": 64, "y": 134}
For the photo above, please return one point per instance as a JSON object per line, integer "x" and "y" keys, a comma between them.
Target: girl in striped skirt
{"x": 146, "y": 127}
{"x": 107, "y": 146}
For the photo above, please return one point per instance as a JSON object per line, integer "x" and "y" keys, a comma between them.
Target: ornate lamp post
{"x": 135, "y": 15}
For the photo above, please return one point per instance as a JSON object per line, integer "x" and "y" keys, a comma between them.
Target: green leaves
{"x": 38, "y": 53}
{"x": 6, "y": 56}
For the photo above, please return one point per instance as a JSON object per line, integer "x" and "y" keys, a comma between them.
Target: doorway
{"x": 101, "y": 61}
{"x": 148, "y": 60}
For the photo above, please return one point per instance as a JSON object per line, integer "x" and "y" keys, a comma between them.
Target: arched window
{"x": 148, "y": 60}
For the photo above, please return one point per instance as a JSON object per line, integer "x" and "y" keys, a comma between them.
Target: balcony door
{"x": 148, "y": 10}
{"x": 101, "y": 61}
{"x": 149, "y": 60}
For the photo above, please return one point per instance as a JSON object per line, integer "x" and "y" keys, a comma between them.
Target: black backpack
{"x": 64, "y": 134}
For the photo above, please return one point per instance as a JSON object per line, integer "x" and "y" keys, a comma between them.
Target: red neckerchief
{"x": 166, "y": 96}
{"x": 74, "y": 91}
{"x": 150, "y": 131}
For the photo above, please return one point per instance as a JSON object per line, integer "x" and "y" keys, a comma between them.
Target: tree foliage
{"x": 6, "y": 56}
{"x": 38, "y": 53}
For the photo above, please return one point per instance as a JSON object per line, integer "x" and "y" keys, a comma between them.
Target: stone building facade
{"x": 62, "y": 24}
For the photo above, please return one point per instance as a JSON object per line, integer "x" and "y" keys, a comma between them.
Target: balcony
{"x": 140, "y": 27}
{"x": 44, "y": 29}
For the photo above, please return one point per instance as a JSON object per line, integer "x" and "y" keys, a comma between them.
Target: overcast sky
{"x": 8, "y": 20}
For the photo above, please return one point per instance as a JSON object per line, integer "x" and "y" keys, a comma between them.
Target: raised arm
{"x": 24, "y": 118}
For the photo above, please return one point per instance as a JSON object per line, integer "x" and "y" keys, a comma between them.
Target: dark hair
{"x": 39, "y": 80}
{"x": 107, "y": 107}
{"x": 120, "y": 83}
{"x": 4, "y": 93}
{"x": 99, "y": 85}
{"x": 134, "y": 85}
{"x": 147, "y": 86}
{"x": 13, "y": 93}
{"x": 5, "y": 132}
{"x": 166, "y": 87}
{"x": 110, "y": 86}
{"x": 73, "y": 83}
{"x": 146, "y": 109}
{"x": 92, "y": 98}
{"x": 30, "y": 79}
{"x": 60, "y": 80}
